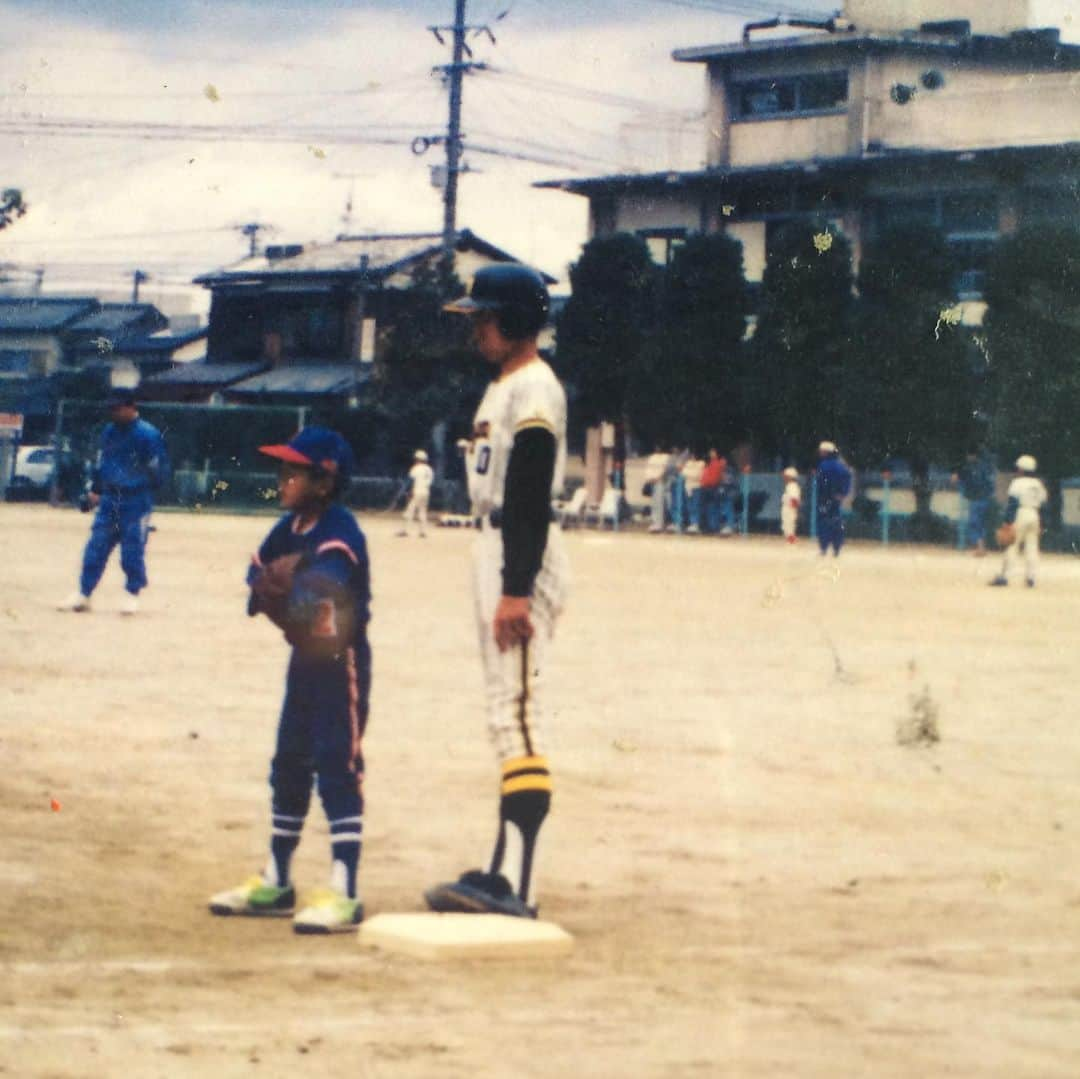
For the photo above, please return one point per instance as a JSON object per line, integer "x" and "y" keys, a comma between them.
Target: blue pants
{"x": 976, "y": 523}
{"x": 123, "y": 519}
{"x": 830, "y": 530}
{"x": 319, "y": 734}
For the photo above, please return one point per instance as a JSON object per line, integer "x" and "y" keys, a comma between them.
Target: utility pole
{"x": 137, "y": 278}
{"x": 453, "y": 136}
{"x": 453, "y": 74}
{"x": 251, "y": 230}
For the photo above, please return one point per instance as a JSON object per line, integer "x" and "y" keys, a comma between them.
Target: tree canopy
{"x": 602, "y": 328}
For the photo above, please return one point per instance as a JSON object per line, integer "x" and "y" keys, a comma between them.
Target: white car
{"x": 33, "y": 467}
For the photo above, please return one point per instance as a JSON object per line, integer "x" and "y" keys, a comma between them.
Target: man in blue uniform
{"x": 132, "y": 463}
{"x": 310, "y": 577}
{"x": 833, "y": 480}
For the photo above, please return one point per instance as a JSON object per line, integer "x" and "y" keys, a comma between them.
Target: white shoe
{"x": 129, "y": 604}
{"x": 75, "y": 602}
{"x": 328, "y": 911}
{"x": 255, "y": 898}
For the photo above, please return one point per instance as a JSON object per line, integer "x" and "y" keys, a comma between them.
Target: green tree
{"x": 425, "y": 375}
{"x": 686, "y": 387}
{"x": 602, "y": 327}
{"x": 1032, "y": 338}
{"x": 800, "y": 350}
{"x": 912, "y": 383}
{"x": 11, "y": 206}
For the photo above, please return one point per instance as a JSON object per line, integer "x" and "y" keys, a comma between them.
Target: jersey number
{"x": 483, "y": 460}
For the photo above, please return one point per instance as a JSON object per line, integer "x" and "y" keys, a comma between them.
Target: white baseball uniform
{"x": 1030, "y": 494}
{"x": 531, "y": 396}
{"x": 421, "y": 476}
{"x": 789, "y": 508}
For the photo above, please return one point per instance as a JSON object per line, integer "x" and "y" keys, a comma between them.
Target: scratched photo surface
{"x": 809, "y": 819}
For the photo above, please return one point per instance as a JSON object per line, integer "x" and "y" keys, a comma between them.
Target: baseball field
{"x": 811, "y": 819}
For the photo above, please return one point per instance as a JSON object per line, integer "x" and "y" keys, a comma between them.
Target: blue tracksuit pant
{"x": 123, "y": 519}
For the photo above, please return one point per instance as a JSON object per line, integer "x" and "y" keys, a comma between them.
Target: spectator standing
{"x": 655, "y": 487}
{"x": 691, "y": 479}
{"x": 833, "y": 478}
{"x": 976, "y": 479}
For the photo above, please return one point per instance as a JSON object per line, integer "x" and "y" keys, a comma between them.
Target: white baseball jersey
{"x": 1030, "y": 494}
{"x": 422, "y": 476}
{"x": 1028, "y": 491}
{"x": 531, "y": 396}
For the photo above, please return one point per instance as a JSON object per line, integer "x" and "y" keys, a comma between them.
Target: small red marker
{"x": 55, "y": 805}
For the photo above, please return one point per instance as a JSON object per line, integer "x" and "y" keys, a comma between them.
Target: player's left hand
{"x": 512, "y": 622}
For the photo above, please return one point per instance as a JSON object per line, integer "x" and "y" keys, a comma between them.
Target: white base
{"x": 465, "y": 936}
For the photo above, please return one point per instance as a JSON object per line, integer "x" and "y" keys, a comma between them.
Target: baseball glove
{"x": 270, "y": 590}
{"x": 1005, "y": 535}
{"x": 321, "y": 617}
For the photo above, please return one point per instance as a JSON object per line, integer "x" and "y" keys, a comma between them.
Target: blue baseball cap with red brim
{"x": 316, "y": 447}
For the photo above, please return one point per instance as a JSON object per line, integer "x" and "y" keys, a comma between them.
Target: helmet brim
{"x": 466, "y": 305}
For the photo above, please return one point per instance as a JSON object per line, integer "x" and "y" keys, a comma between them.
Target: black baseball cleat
{"x": 477, "y": 892}
{"x": 999, "y": 582}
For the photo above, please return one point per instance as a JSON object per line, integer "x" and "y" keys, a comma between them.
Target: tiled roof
{"x": 116, "y": 318}
{"x": 199, "y": 373}
{"x": 312, "y": 379}
{"x": 30, "y": 314}
{"x": 378, "y": 256}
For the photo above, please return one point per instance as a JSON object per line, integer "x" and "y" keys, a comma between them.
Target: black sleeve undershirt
{"x": 526, "y": 508}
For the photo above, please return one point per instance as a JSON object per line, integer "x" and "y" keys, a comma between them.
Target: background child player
{"x": 310, "y": 577}
{"x": 1026, "y": 497}
{"x": 790, "y": 501}
{"x": 421, "y": 477}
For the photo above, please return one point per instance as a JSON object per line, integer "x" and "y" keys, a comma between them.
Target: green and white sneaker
{"x": 328, "y": 911}
{"x": 255, "y": 898}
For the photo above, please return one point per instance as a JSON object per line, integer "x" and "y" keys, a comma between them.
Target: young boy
{"x": 1026, "y": 494}
{"x": 790, "y": 501}
{"x": 310, "y": 577}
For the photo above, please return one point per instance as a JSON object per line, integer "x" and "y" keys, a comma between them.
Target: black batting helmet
{"x": 516, "y": 293}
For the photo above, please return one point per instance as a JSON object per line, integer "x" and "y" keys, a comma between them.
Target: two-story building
{"x": 892, "y": 113}
{"x": 297, "y": 323}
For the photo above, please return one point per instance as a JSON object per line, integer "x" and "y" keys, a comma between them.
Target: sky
{"x": 146, "y": 135}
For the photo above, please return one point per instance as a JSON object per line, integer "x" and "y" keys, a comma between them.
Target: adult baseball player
{"x": 516, "y": 462}
{"x": 1026, "y": 496}
{"x": 421, "y": 477}
{"x": 132, "y": 464}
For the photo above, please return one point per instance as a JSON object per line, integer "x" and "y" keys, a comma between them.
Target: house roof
{"x": 117, "y": 319}
{"x": 1064, "y": 155}
{"x": 40, "y": 314}
{"x": 201, "y": 373}
{"x": 1040, "y": 49}
{"x": 306, "y": 379}
{"x": 372, "y": 258}
{"x": 161, "y": 342}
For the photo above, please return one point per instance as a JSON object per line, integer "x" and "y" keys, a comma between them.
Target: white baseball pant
{"x": 513, "y": 680}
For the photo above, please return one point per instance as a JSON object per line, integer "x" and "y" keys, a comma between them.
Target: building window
{"x": 663, "y": 243}
{"x": 795, "y": 95}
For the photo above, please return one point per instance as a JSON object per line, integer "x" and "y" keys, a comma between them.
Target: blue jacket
{"x": 833, "y": 484}
{"x": 132, "y": 459}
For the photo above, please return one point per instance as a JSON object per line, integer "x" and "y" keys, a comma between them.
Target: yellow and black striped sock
{"x": 524, "y": 803}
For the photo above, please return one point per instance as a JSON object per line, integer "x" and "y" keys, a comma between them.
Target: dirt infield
{"x": 770, "y": 867}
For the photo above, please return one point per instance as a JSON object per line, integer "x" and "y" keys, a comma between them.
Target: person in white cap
{"x": 1026, "y": 496}
{"x": 421, "y": 477}
{"x": 833, "y": 479}
{"x": 790, "y": 501}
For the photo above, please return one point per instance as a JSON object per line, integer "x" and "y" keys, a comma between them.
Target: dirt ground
{"x": 769, "y": 867}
